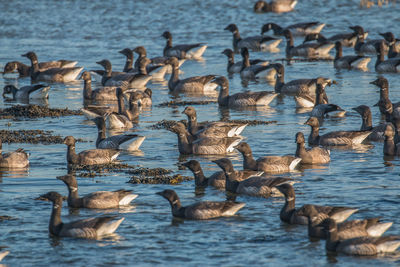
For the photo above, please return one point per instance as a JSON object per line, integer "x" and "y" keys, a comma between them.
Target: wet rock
{"x": 35, "y": 111}
{"x": 173, "y": 103}
{"x": 32, "y": 137}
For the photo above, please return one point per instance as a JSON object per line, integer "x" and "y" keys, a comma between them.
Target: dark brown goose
{"x": 362, "y": 47}
{"x": 281, "y": 6}
{"x": 386, "y": 106}
{"x": 393, "y": 47}
{"x": 302, "y": 28}
{"x": 382, "y": 65}
{"x": 253, "y": 186}
{"x": 289, "y": 214}
{"x": 124, "y": 119}
{"x": 337, "y": 138}
{"x": 253, "y": 72}
{"x": 349, "y": 62}
{"x": 377, "y": 131}
{"x": 91, "y": 228}
{"x": 183, "y": 51}
{"x": 90, "y": 156}
{"x": 200, "y": 210}
{"x": 304, "y": 99}
{"x": 315, "y": 155}
{"x": 51, "y": 75}
{"x": 107, "y": 93}
{"x": 238, "y": 100}
{"x": 268, "y": 164}
{"x": 25, "y": 70}
{"x": 143, "y": 98}
{"x": 217, "y": 179}
{"x": 321, "y": 109}
{"x": 255, "y": 43}
{"x": 13, "y": 160}
{"x": 359, "y": 246}
{"x": 157, "y": 71}
{"x": 38, "y": 91}
{"x": 346, "y": 39}
{"x": 236, "y": 67}
{"x": 346, "y": 230}
{"x": 95, "y": 200}
{"x": 129, "y": 142}
{"x": 390, "y": 148}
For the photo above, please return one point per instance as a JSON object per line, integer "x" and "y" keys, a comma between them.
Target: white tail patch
{"x": 232, "y": 211}
{"x": 115, "y": 156}
{"x": 109, "y": 227}
{"x": 141, "y": 82}
{"x": 271, "y": 46}
{"x": 268, "y": 74}
{"x": 210, "y": 87}
{"x": 70, "y": 64}
{"x": 240, "y": 129}
{"x": 294, "y": 163}
{"x": 389, "y": 246}
{"x": 266, "y": 100}
{"x": 42, "y": 93}
{"x": 324, "y": 49}
{"x": 378, "y": 229}
{"x": 361, "y": 63}
{"x": 196, "y": 53}
{"x": 159, "y": 73}
{"x": 127, "y": 199}
{"x": 133, "y": 144}
{"x": 303, "y": 103}
{"x": 343, "y": 215}
{"x": 359, "y": 139}
{"x": 231, "y": 146}
{"x": 315, "y": 29}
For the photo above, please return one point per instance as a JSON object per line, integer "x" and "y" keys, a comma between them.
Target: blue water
{"x": 89, "y": 31}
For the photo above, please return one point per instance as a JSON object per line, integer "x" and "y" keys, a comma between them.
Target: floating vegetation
{"x": 186, "y": 103}
{"x": 166, "y": 124}
{"x": 251, "y": 122}
{"x": 370, "y": 3}
{"x": 31, "y": 137}
{"x": 6, "y": 218}
{"x": 35, "y": 111}
{"x": 156, "y": 176}
{"x": 99, "y": 169}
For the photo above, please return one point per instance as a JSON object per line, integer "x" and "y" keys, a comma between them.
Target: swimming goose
{"x": 91, "y": 228}
{"x": 53, "y": 74}
{"x": 302, "y": 28}
{"x": 124, "y": 118}
{"x": 337, "y": 138}
{"x": 93, "y": 111}
{"x": 349, "y": 62}
{"x": 129, "y": 142}
{"x": 107, "y": 93}
{"x": 253, "y": 186}
{"x": 25, "y": 70}
{"x": 183, "y": 51}
{"x": 143, "y": 98}
{"x": 203, "y": 128}
{"x": 359, "y": 246}
{"x": 289, "y": 214}
{"x": 196, "y": 84}
{"x": 157, "y": 71}
{"x": 320, "y": 109}
{"x": 366, "y": 47}
{"x": 346, "y": 230}
{"x": 237, "y": 67}
{"x": 203, "y": 145}
{"x": 389, "y": 146}
{"x": 393, "y": 47}
{"x": 137, "y": 81}
{"x": 95, "y": 200}
{"x": 382, "y": 65}
{"x": 267, "y": 164}
{"x": 295, "y": 87}
{"x": 311, "y": 50}
{"x": 128, "y": 53}
{"x": 203, "y": 210}
{"x": 305, "y": 100}
{"x": 385, "y": 105}
{"x": 38, "y": 91}
{"x": 15, "y": 159}
{"x": 346, "y": 39}
{"x": 88, "y": 157}
{"x": 377, "y": 131}
{"x": 218, "y": 178}
{"x": 252, "y": 72}
{"x": 315, "y": 155}
{"x": 280, "y": 6}
{"x": 255, "y": 43}
{"x": 245, "y": 99}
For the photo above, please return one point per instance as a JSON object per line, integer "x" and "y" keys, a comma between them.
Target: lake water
{"x": 89, "y": 31}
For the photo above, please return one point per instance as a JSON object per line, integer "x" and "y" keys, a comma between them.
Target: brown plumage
{"x": 366, "y": 116}
{"x": 13, "y": 160}
{"x": 25, "y": 70}
{"x": 315, "y": 155}
{"x": 100, "y": 94}
{"x": 280, "y": 6}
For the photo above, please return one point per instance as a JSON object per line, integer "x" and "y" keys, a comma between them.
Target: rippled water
{"x": 89, "y": 31}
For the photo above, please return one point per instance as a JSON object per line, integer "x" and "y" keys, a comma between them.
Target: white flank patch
{"x": 266, "y": 100}
{"x": 42, "y": 93}
{"x": 378, "y": 229}
{"x": 343, "y": 215}
{"x": 115, "y": 156}
{"x": 196, "y": 53}
{"x": 109, "y": 227}
{"x": 232, "y": 211}
{"x": 294, "y": 163}
{"x": 231, "y": 146}
{"x": 133, "y": 144}
{"x": 361, "y": 138}
{"x": 389, "y": 246}
{"x": 361, "y": 63}
{"x": 127, "y": 199}
{"x": 303, "y": 103}
{"x": 71, "y": 64}
{"x": 71, "y": 76}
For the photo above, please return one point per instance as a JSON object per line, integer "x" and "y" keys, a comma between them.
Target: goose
{"x": 346, "y": 39}
{"x": 393, "y": 47}
{"x": 252, "y": 72}
{"x": 183, "y": 51}
{"x": 38, "y": 91}
{"x": 290, "y": 215}
{"x": 205, "y": 145}
{"x": 95, "y": 200}
{"x": 320, "y": 109}
{"x": 315, "y": 155}
{"x": 294, "y": 87}
{"x": 107, "y": 93}
{"x": 267, "y": 164}
{"x": 196, "y": 84}
{"x": 128, "y": 53}
{"x": 25, "y": 70}
{"x": 203, "y": 210}
{"x": 253, "y": 186}
{"x": 137, "y": 81}
{"x": 51, "y": 75}
{"x": 377, "y": 131}
{"x": 346, "y": 230}
{"x": 157, "y": 71}
{"x": 129, "y": 142}
{"x": 361, "y": 46}
{"x": 233, "y": 67}
{"x": 255, "y": 43}
{"x": 311, "y": 50}
{"x": 385, "y": 105}
{"x": 390, "y": 148}
{"x": 302, "y": 28}
{"x": 218, "y": 178}
{"x": 124, "y": 118}
{"x": 245, "y": 99}
{"x": 281, "y": 6}
{"x": 91, "y": 228}
{"x": 88, "y": 157}
{"x": 359, "y": 246}
{"x": 93, "y": 111}
{"x": 224, "y": 128}
{"x": 13, "y": 160}
{"x": 349, "y": 62}
{"x": 143, "y": 98}
{"x": 337, "y": 138}
{"x": 305, "y": 100}
{"x": 382, "y": 65}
